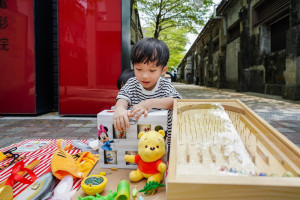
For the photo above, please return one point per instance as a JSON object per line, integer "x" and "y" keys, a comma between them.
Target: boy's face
{"x": 148, "y": 74}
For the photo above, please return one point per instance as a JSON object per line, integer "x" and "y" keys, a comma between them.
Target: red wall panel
{"x": 17, "y": 67}
{"x": 89, "y": 55}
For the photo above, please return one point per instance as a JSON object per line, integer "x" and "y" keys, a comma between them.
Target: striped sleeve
{"x": 128, "y": 90}
{"x": 169, "y": 90}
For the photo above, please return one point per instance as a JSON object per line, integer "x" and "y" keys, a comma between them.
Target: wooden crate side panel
{"x": 225, "y": 102}
{"x": 277, "y": 149}
{"x": 173, "y": 152}
{"x": 229, "y": 192}
{"x": 278, "y": 140}
{"x": 265, "y": 127}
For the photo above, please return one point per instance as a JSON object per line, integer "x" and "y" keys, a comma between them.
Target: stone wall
{"x": 246, "y": 56}
{"x": 232, "y": 50}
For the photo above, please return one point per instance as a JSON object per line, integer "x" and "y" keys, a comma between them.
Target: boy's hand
{"x": 142, "y": 108}
{"x": 121, "y": 121}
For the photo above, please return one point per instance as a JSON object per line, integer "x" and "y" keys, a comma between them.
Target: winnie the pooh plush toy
{"x": 151, "y": 148}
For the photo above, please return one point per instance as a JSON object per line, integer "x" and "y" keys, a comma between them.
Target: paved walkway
{"x": 281, "y": 114}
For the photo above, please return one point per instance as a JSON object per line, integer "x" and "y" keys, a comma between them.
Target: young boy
{"x": 147, "y": 90}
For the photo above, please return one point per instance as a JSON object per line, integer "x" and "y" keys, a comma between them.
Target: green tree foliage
{"x": 176, "y": 39}
{"x": 166, "y": 14}
{"x": 171, "y": 21}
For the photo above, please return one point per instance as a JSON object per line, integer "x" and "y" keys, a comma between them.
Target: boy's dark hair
{"x": 150, "y": 50}
{"x": 123, "y": 78}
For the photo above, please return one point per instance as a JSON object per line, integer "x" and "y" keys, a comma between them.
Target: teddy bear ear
{"x": 161, "y": 132}
{"x": 141, "y": 134}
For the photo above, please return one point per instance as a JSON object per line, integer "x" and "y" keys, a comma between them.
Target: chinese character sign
{"x": 3, "y": 26}
{"x": 3, "y": 23}
{"x": 3, "y": 44}
{"x": 3, "y": 4}
{"x": 17, "y": 56}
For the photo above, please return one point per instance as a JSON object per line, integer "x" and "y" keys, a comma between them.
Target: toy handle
{"x": 30, "y": 166}
{"x": 123, "y": 192}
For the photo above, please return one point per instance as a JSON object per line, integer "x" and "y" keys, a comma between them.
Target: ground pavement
{"x": 281, "y": 114}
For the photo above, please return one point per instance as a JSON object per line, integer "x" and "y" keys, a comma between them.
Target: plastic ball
{"x": 288, "y": 174}
{"x": 223, "y": 168}
{"x": 233, "y": 170}
{"x": 262, "y": 174}
{"x": 252, "y": 173}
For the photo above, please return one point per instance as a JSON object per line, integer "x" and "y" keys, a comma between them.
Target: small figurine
{"x": 151, "y": 148}
{"x": 108, "y": 158}
{"x": 103, "y": 137}
{"x": 121, "y": 134}
{"x": 151, "y": 186}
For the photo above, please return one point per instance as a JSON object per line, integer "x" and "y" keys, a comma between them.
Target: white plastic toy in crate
{"x": 114, "y": 145}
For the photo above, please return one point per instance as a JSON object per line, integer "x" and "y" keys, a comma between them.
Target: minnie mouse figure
{"x": 103, "y": 137}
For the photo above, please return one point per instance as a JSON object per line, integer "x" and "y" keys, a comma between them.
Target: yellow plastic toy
{"x": 2, "y": 156}
{"x": 94, "y": 184}
{"x": 151, "y": 148}
{"x": 6, "y": 192}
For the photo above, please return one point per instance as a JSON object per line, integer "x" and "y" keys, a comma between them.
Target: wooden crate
{"x": 267, "y": 149}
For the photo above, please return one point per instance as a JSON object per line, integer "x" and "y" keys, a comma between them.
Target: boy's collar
{"x": 150, "y": 91}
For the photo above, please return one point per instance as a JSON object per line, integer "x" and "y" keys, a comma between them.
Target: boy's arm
{"x": 145, "y": 106}
{"x": 121, "y": 121}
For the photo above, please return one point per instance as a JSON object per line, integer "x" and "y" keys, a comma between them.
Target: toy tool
{"x": 63, "y": 191}
{"x": 30, "y": 166}
{"x": 94, "y": 184}
{"x": 16, "y": 158}
{"x": 8, "y": 154}
{"x": 6, "y": 192}
{"x": 40, "y": 189}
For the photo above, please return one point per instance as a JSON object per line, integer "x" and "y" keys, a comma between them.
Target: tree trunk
{"x": 157, "y": 28}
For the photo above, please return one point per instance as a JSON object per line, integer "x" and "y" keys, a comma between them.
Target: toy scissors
{"x": 9, "y": 154}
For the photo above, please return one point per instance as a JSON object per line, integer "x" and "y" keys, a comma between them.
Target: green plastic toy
{"x": 111, "y": 196}
{"x": 134, "y": 193}
{"x": 123, "y": 191}
{"x": 151, "y": 186}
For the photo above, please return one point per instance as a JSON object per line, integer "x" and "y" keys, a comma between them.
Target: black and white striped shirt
{"x": 133, "y": 92}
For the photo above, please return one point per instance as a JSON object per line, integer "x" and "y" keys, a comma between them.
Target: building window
{"x": 278, "y": 34}
{"x": 216, "y": 33}
{"x": 265, "y": 10}
{"x": 233, "y": 31}
{"x": 216, "y": 44}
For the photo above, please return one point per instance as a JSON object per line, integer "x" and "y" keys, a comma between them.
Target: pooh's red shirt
{"x": 147, "y": 167}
